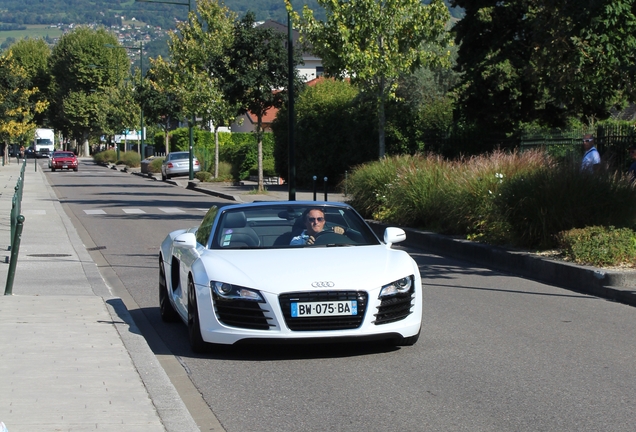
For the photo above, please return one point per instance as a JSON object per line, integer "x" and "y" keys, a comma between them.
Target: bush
{"x": 336, "y": 129}
{"x": 106, "y": 156}
{"x": 599, "y": 246}
{"x": 203, "y": 176}
{"x": 131, "y": 159}
{"x": 520, "y": 199}
{"x": 155, "y": 165}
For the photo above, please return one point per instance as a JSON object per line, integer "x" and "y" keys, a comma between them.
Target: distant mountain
{"x": 111, "y": 12}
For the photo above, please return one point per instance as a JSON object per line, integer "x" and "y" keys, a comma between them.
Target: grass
{"x": 517, "y": 199}
{"x": 32, "y": 31}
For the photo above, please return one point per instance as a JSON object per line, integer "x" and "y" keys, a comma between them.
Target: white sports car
{"x": 289, "y": 272}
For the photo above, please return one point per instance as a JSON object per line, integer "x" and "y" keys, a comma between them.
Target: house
{"x": 247, "y": 122}
{"x": 311, "y": 71}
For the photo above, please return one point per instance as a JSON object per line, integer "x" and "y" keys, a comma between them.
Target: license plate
{"x": 333, "y": 308}
{"x": 64, "y": 166}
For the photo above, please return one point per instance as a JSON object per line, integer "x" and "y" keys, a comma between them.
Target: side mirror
{"x": 185, "y": 240}
{"x": 393, "y": 235}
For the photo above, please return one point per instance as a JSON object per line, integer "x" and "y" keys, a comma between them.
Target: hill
{"x": 113, "y": 12}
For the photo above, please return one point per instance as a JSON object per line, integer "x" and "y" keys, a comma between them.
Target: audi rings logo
{"x": 322, "y": 284}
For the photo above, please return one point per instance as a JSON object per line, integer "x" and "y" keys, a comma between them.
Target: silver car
{"x": 178, "y": 163}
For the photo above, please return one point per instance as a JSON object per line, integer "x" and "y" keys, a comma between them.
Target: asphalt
{"x": 73, "y": 359}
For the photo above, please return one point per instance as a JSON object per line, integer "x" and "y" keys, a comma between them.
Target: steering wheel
{"x": 328, "y": 236}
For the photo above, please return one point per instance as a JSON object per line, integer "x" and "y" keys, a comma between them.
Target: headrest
{"x": 235, "y": 220}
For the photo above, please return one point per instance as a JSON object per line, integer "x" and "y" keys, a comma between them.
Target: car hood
{"x": 278, "y": 270}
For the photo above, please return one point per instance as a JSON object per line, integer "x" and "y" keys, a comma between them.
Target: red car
{"x": 64, "y": 160}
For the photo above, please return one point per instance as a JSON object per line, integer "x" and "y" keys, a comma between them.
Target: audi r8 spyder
{"x": 288, "y": 271}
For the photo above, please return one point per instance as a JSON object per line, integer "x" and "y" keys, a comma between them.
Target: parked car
{"x": 64, "y": 160}
{"x": 178, "y": 164}
{"x": 240, "y": 277}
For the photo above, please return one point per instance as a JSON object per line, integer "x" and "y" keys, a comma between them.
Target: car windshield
{"x": 62, "y": 154}
{"x": 285, "y": 226}
{"x": 178, "y": 156}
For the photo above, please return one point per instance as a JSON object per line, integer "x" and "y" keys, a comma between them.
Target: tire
{"x": 167, "y": 311}
{"x": 75, "y": 169}
{"x": 197, "y": 344}
{"x": 52, "y": 169}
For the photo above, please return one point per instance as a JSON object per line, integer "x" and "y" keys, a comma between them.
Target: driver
{"x": 314, "y": 224}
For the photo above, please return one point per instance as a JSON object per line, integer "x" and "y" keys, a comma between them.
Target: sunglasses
{"x": 314, "y": 219}
{"x": 588, "y": 139}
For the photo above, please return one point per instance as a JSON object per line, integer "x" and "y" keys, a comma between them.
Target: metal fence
{"x": 17, "y": 222}
{"x": 612, "y": 141}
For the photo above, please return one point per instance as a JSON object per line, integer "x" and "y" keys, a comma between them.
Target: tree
{"x": 19, "y": 101}
{"x": 544, "y": 61}
{"x": 83, "y": 69}
{"x": 191, "y": 78}
{"x": 160, "y": 106}
{"x": 257, "y": 69}
{"x": 205, "y": 42}
{"x": 374, "y": 42}
{"x": 33, "y": 55}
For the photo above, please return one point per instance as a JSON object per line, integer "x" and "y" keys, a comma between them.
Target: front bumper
{"x": 271, "y": 321}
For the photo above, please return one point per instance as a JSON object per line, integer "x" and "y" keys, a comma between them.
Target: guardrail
{"x": 17, "y": 223}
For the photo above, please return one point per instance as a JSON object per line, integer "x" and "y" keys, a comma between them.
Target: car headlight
{"x": 400, "y": 286}
{"x": 234, "y": 292}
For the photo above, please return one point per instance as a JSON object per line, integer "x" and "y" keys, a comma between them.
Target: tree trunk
{"x": 216, "y": 151}
{"x": 259, "y": 137}
{"x": 381, "y": 133}
{"x": 86, "y": 151}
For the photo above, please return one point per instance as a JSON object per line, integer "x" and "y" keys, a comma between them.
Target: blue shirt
{"x": 590, "y": 158}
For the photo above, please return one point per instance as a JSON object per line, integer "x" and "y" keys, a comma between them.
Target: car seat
{"x": 235, "y": 232}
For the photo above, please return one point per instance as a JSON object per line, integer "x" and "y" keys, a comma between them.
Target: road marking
{"x": 94, "y": 212}
{"x": 171, "y": 210}
{"x": 133, "y": 211}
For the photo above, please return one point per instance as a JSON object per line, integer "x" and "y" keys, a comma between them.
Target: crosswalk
{"x": 126, "y": 211}
{"x": 134, "y": 211}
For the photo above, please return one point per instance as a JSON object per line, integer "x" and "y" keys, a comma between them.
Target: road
{"x": 497, "y": 352}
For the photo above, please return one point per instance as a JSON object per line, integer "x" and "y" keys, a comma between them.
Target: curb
{"x": 613, "y": 285}
{"x": 619, "y": 286}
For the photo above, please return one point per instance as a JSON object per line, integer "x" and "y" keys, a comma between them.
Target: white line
{"x": 171, "y": 210}
{"x": 94, "y": 212}
{"x": 133, "y": 211}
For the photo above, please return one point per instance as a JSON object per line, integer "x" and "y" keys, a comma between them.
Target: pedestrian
{"x": 591, "y": 162}
{"x": 631, "y": 172}
{"x": 22, "y": 152}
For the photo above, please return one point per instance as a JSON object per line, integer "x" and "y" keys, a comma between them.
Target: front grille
{"x": 241, "y": 313}
{"x": 394, "y": 308}
{"x": 326, "y": 322}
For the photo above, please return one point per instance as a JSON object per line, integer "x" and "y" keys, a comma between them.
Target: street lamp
{"x": 141, "y": 84}
{"x": 190, "y": 123}
{"x": 291, "y": 163}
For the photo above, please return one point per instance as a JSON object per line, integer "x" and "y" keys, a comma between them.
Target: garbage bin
{"x": 149, "y": 150}
{"x": 144, "y": 166}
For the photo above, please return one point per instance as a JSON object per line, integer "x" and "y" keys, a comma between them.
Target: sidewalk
{"x": 71, "y": 357}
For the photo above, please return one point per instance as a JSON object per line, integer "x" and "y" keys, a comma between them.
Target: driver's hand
{"x": 311, "y": 240}
{"x": 338, "y": 230}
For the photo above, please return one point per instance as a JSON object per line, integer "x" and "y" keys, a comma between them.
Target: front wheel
{"x": 197, "y": 344}
{"x": 167, "y": 311}
{"x": 52, "y": 169}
